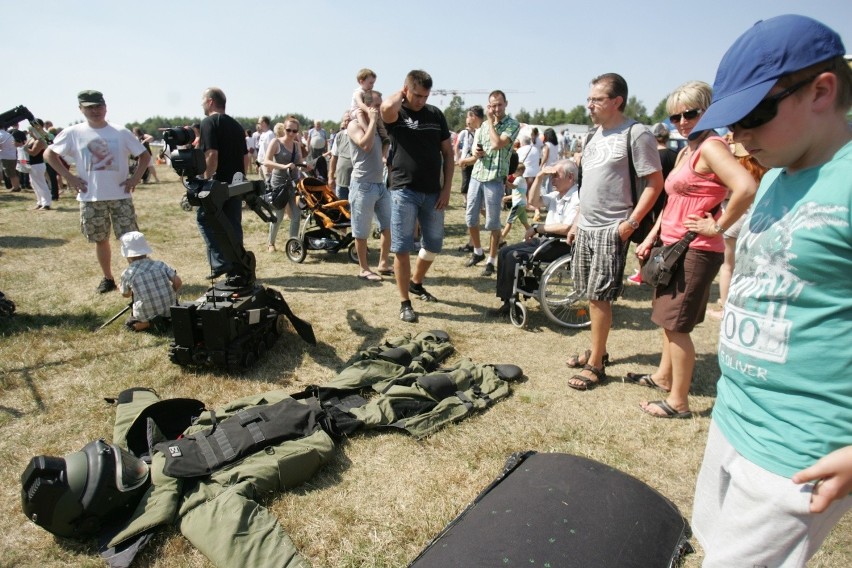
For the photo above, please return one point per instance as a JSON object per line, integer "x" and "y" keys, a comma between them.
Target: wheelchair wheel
{"x": 353, "y": 254}
{"x": 518, "y": 313}
{"x": 559, "y": 298}
{"x": 296, "y": 250}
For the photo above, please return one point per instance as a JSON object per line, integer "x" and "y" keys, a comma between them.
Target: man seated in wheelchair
{"x": 562, "y": 204}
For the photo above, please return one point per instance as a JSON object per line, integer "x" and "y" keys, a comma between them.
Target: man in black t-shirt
{"x": 422, "y": 152}
{"x": 224, "y": 146}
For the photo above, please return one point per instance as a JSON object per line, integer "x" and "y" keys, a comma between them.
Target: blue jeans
{"x": 408, "y": 208}
{"x": 233, "y": 211}
{"x": 364, "y": 200}
{"x": 489, "y": 192}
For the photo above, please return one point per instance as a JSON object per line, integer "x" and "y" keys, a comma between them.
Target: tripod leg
{"x": 116, "y": 316}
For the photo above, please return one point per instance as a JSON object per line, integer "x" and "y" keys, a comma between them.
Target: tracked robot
{"x": 236, "y": 320}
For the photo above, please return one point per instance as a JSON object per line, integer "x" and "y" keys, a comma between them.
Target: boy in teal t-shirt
{"x": 777, "y": 469}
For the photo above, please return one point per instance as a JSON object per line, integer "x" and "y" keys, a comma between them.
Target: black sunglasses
{"x": 687, "y": 114}
{"x": 768, "y": 107}
{"x": 291, "y": 131}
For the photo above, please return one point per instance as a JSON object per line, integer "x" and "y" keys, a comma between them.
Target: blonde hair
{"x": 692, "y": 95}
{"x": 278, "y": 129}
{"x": 365, "y": 74}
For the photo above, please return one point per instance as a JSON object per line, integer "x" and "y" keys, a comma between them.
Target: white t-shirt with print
{"x": 101, "y": 156}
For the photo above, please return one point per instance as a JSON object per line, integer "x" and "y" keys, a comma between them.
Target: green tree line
{"x": 635, "y": 109}
{"x": 455, "y": 113}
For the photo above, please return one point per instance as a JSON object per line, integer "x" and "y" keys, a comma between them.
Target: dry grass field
{"x": 384, "y": 495}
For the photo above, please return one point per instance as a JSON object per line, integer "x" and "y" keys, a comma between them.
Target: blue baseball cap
{"x": 753, "y": 64}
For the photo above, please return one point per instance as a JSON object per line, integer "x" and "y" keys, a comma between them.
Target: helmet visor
{"x": 130, "y": 472}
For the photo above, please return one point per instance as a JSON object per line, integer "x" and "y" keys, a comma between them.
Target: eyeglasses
{"x": 691, "y": 114}
{"x": 768, "y": 107}
{"x": 597, "y": 101}
{"x": 291, "y": 131}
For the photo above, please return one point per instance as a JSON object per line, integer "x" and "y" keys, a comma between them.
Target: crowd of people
{"x": 777, "y": 471}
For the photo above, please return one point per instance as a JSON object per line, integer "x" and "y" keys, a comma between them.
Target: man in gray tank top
{"x": 367, "y": 191}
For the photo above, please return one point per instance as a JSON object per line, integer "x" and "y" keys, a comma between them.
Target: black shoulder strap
{"x": 631, "y": 166}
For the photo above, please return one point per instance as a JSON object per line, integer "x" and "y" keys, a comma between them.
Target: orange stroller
{"x": 325, "y": 223}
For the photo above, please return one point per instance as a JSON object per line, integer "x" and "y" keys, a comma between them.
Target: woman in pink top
{"x": 704, "y": 172}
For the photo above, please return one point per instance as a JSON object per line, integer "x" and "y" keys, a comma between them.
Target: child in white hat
{"x": 152, "y": 283}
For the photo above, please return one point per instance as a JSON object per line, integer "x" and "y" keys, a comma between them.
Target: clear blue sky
{"x": 156, "y": 58}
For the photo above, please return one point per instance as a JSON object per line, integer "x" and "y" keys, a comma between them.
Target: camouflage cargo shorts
{"x": 97, "y": 216}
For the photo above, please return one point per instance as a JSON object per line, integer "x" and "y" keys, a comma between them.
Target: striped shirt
{"x": 495, "y": 163}
{"x": 151, "y": 284}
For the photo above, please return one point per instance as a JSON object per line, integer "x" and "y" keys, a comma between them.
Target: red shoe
{"x": 635, "y": 280}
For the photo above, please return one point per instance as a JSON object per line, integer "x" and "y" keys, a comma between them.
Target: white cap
{"x": 133, "y": 243}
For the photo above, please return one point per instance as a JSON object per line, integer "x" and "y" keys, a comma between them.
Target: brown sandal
{"x": 588, "y": 384}
{"x": 575, "y": 362}
{"x": 643, "y": 380}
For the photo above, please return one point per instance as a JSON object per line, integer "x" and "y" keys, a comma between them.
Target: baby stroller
{"x": 551, "y": 283}
{"x": 325, "y": 223}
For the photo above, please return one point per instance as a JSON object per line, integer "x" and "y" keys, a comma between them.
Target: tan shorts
{"x": 96, "y": 217}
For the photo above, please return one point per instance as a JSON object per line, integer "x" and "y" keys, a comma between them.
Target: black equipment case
{"x": 558, "y": 511}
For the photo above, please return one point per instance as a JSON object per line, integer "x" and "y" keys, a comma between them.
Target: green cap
{"x": 91, "y": 98}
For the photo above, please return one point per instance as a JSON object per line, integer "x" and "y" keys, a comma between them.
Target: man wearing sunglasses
{"x": 777, "y": 470}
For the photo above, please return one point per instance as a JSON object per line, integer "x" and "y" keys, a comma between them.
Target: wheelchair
{"x": 551, "y": 283}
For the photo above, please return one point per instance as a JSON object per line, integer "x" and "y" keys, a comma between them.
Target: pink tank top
{"x": 689, "y": 192}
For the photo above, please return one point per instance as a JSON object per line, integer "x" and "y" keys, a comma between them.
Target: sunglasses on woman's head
{"x": 687, "y": 114}
{"x": 768, "y": 107}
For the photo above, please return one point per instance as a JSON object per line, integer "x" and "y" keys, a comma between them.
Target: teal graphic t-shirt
{"x": 785, "y": 347}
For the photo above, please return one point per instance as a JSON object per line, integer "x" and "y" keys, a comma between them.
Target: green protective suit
{"x": 220, "y": 514}
{"x": 415, "y": 395}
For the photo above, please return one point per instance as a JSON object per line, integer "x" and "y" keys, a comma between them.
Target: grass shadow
{"x": 634, "y": 318}
{"x": 23, "y": 322}
{"x": 370, "y": 335}
{"x": 21, "y": 242}
{"x": 188, "y": 291}
{"x": 706, "y": 375}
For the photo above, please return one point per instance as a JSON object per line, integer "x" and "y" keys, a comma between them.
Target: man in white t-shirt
{"x": 318, "y": 138}
{"x": 101, "y": 152}
{"x": 9, "y": 158}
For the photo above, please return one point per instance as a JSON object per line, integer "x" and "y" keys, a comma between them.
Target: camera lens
{"x": 179, "y": 136}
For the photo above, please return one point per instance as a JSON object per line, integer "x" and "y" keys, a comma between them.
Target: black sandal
{"x": 588, "y": 384}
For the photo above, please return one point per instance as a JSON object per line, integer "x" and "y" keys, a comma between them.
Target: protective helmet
{"x": 76, "y": 495}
